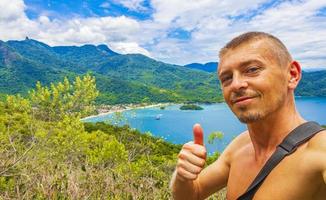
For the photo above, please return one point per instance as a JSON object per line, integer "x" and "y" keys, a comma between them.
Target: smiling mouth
{"x": 241, "y": 99}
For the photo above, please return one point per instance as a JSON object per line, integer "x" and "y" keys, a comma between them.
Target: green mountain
{"x": 130, "y": 78}
{"x": 19, "y": 73}
{"x": 312, "y": 84}
{"x": 120, "y": 78}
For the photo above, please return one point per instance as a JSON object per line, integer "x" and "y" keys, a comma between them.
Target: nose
{"x": 238, "y": 83}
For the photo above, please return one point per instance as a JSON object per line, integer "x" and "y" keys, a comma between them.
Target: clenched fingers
{"x": 189, "y": 157}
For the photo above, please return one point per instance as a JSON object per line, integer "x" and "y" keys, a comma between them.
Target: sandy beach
{"x": 122, "y": 108}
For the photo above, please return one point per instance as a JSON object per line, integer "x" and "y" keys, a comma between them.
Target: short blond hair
{"x": 277, "y": 47}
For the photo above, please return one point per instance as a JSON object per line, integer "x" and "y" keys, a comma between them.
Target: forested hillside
{"x": 131, "y": 78}
{"x": 48, "y": 153}
{"x": 312, "y": 84}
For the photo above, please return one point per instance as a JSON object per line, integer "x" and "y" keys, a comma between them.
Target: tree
{"x": 217, "y": 135}
{"x": 51, "y": 104}
{"x": 47, "y": 152}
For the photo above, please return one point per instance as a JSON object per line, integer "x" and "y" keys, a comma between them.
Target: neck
{"x": 269, "y": 132}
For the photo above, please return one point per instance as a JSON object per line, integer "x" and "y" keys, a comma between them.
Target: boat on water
{"x": 158, "y": 117}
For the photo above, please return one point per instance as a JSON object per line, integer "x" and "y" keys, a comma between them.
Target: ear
{"x": 294, "y": 75}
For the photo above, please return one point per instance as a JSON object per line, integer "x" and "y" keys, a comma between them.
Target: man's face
{"x": 253, "y": 84}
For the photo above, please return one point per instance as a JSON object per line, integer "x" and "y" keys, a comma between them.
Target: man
{"x": 258, "y": 78}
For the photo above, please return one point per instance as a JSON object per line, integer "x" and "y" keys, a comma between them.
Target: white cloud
{"x": 207, "y": 20}
{"x": 14, "y": 24}
{"x": 129, "y": 47}
{"x": 135, "y": 5}
{"x": 11, "y": 10}
{"x": 13, "y": 21}
{"x": 213, "y": 24}
{"x": 189, "y": 13}
{"x": 298, "y": 26}
{"x": 210, "y": 24}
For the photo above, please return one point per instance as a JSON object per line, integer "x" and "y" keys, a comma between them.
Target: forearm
{"x": 183, "y": 189}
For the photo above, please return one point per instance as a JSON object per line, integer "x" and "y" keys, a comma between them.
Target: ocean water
{"x": 176, "y": 125}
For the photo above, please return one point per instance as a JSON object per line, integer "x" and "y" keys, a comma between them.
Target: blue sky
{"x": 90, "y": 8}
{"x": 174, "y": 31}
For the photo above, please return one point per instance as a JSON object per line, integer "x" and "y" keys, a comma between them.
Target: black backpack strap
{"x": 291, "y": 142}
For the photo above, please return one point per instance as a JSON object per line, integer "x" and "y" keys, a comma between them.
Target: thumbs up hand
{"x": 192, "y": 157}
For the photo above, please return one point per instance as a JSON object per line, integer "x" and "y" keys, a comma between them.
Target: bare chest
{"x": 293, "y": 178}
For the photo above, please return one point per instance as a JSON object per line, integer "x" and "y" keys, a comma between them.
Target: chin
{"x": 248, "y": 118}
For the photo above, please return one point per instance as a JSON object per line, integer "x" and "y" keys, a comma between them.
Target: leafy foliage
{"x": 312, "y": 84}
{"x": 64, "y": 99}
{"x": 46, "y": 152}
{"x": 217, "y": 135}
{"x": 190, "y": 107}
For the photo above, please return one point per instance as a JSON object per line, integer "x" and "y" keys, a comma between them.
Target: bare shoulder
{"x": 242, "y": 138}
{"x": 318, "y": 142}
{"x": 233, "y": 148}
{"x": 238, "y": 144}
{"x": 316, "y": 152}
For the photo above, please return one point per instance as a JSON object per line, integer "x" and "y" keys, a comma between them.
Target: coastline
{"x": 122, "y": 108}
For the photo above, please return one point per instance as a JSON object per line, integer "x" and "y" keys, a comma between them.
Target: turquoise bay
{"x": 175, "y": 125}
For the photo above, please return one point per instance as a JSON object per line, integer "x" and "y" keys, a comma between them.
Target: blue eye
{"x": 252, "y": 69}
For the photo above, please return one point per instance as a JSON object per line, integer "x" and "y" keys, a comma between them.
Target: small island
{"x": 191, "y": 107}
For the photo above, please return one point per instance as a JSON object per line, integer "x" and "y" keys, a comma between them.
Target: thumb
{"x": 198, "y": 134}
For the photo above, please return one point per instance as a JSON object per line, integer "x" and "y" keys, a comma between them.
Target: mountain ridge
{"x": 121, "y": 78}
{"x": 132, "y": 78}
{"x": 208, "y": 67}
